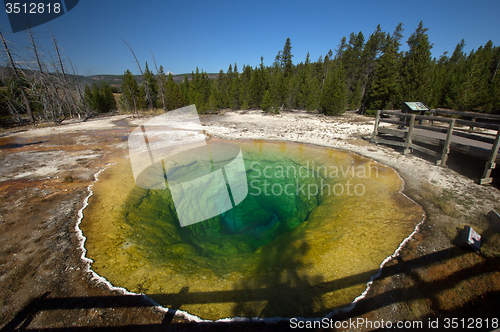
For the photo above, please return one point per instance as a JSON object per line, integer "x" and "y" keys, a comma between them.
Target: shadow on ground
{"x": 483, "y": 305}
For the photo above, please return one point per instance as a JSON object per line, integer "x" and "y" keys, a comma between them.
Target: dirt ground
{"x": 45, "y": 285}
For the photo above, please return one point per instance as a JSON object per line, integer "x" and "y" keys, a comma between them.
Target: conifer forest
{"x": 365, "y": 73}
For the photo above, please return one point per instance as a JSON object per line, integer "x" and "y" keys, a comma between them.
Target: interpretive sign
{"x": 470, "y": 237}
{"x": 415, "y": 107}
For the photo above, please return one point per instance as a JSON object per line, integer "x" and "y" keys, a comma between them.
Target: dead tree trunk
{"x": 80, "y": 93}
{"x": 65, "y": 83}
{"x": 147, "y": 91}
{"x": 16, "y": 74}
{"x": 46, "y": 100}
{"x": 160, "y": 82}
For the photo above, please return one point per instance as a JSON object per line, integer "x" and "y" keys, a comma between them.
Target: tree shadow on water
{"x": 294, "y": 293}
{"x": 281, "y": 272}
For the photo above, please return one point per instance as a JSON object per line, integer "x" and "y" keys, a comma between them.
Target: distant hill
{"x": 117, "y": 80}
{"x": 111, "y": 80}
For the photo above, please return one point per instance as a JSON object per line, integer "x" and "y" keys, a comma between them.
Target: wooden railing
{"x": 484, "y": 143}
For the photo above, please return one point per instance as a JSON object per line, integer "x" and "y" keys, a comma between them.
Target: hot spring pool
{"x": 315, "y": 225}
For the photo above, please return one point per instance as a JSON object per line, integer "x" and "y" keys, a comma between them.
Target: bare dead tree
{"x": 83, "y": 103}
{"x": 68, "y": 98}
{"x": 147, "y": 88}
{"x": 40, "y": 81}
{"x": 56, "y": 86}
{"x": 127, "y": 102}
{"x": 137, "y": 61}
{"x": 43, "y": 86}
{"x": 18, "y": 78}
{"x": 160, "y": 81}
{"x": 133, "y": 100}
{"x": 11, "y": 104}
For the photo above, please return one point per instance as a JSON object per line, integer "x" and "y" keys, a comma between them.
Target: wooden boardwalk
{"x": 476, "y": 138}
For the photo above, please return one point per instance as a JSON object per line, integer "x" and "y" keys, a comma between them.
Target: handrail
{"x": 473, "y": 115}
{"x": 408, "y": 120}
{"x": 467, "y": 123}
{"x": 467, "y": 114}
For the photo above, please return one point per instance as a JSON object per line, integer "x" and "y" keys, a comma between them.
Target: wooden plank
{"x": 468, "y": 131}
{"x": 427, "y": 139}
{"x": 431, "y": 128}
{"x": 394, "y": 132}
{"x": 384, "y": 141}
{"x": 461, "y": 132}
{"x": 490, "y": 164}
{"x": 467, "y": 149}
{"x": 468, "y": 114}
{"x": 425, "y": 150}
{"x": 446, "y": 147}
{"x": 473, "y": 120}
{"x": 477, "y": 124}
{"x": 432, "y": 118}
{"x": 486, "y": 181}
{"x": 475, "y": 137}
{"x": 375, "y": 129}
{"x": 393, "y": 121}
{"x": 408, "y": 136}
{"x": 392, "y": 112}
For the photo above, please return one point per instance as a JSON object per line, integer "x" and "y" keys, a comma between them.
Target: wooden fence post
{"x": 491, "y": 163}
{"x": 408, "y": 136}
{"x": 446, "y": 148}
{"x": 473, "y": 120}
{"x": 375, "y": 129}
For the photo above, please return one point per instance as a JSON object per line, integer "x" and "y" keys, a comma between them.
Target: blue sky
{"x": 210, "y": 35}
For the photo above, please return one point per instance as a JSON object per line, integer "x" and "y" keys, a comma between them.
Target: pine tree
{"x": 417, "y": 66}
{"x": 267, "y": 102}
{"x": 132, "y": 97}
{"x": 286, "y": 58}
{"x": 352, "y": 60}
{"x": 162, "y": 87}
{"x": 184, "y": 89}
{"x": 339, "y": 51}
{"x": 385, "y": 91}
{"x": 150, "y": 87}
{"x": 245, "y": 78}
{"x": 234, "y": 89}
{"x": 173, "y": 94}
{"x": 87, "y": 95}
{"x": 314, "y": 97}
{"x": 334, "y": 95}
{"x": 495, "y": 90}
{"x": 97, "y": 98}
{"x": 221, "y": 89}
{"x": 302, "y": 85}
{"x": 278, "y": 89}
{"x": 453, "y": 68}
{"x": 214, "y": 99}
{"x": 109, "y": 101}
{"x": 371, "y": 51}
{"x": 487, "y": 63}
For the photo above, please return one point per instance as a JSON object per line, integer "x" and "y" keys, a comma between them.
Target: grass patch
{"x": 443, "y": 199}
